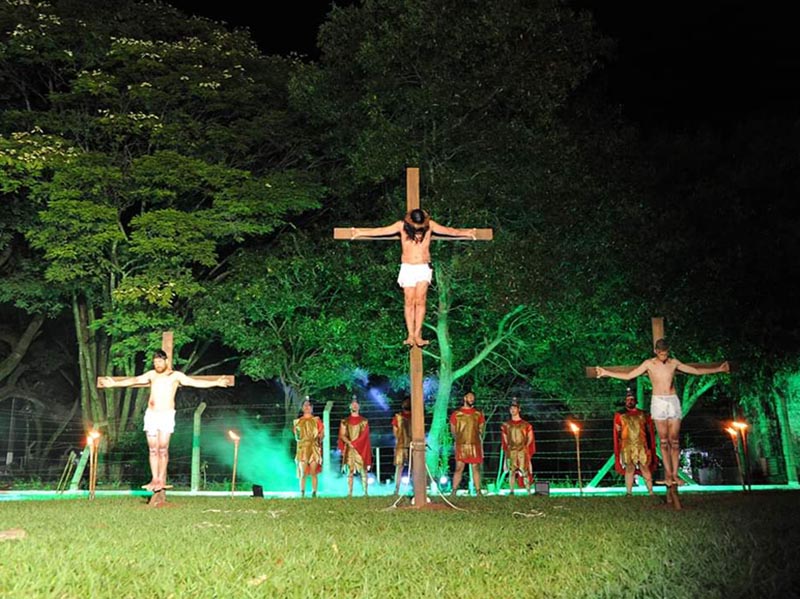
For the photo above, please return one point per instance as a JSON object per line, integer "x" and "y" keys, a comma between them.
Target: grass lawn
{"x": 725, "y": 545}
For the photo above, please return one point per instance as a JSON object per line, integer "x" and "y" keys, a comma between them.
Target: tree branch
{"x": 15, "y": 357}
{"x": 500, "y": 336}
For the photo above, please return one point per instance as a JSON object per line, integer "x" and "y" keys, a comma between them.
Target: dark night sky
{"x": 678, "y": 65}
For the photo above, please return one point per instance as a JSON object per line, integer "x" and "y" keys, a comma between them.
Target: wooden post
{"x": 412, "y": 188}
{"x": 326, "y": 440}
{"x": 195, "y": 481}
{"x": 78, "y": 474}
{"x": 168, "y": 345}
{"x": 419, "y": 467}
{"x": 657, "y": 327}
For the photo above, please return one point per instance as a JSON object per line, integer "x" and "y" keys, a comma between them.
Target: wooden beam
{"x": 657, "y": 326}
{"x": 412, "y": 188}
{"x": 168, "y": 345}
{"x": 231, "y": 380}
{"x": 346, "y": 234}
{"x": 591, "y": 371}
{"x": 480, "y": 235}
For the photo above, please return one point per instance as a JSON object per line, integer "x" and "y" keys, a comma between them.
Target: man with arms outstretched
{"x": 159, "y": 418}
{"x": 416, "y": 274}
{"x": 665, "y": 407}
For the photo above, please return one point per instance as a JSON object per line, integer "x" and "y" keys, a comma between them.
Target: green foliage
{"x": 490, "y": 101}
{"x": 303, "y": 312}
{"x": 138, "y": 151}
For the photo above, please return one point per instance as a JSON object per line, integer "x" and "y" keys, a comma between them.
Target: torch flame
{"x": 91, "y": 437}
{"x": 574, "y": 428}
{"x": 233, "y": 436}
{"x": 731, "y": 431}
{"x": 742, "y": 426}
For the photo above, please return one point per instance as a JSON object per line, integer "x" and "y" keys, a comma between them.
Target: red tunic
{"x": 355, "y": 429}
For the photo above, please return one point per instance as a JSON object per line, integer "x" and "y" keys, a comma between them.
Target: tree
{"x": 157, "y": 157}
{"x": 300, "y": 312}
{"x": 475, "y": 95}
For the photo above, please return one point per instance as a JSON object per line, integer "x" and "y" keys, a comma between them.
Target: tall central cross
{"x": 168, "y": 345}
{"x": 657, "y": 327}
{"x": 418, "y": 468}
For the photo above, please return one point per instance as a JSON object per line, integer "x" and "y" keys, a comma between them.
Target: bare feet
{"x": 678, "y": 481}
{"x": 420, "y": 342}
{"x": 409, "y": 340}
{"x": 153, "y": 484}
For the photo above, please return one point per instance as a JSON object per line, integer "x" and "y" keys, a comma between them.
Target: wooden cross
{"x": 167, "y": 344}
{"x": 415, "y": 356}
{"x": 657, "y": 327}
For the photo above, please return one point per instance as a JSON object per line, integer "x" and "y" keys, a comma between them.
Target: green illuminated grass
{"x": 718, "y": 546}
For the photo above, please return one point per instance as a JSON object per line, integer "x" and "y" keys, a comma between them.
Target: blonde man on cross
{"x": 159, "y": 418}
{"x": 665, "y": 408}
{"x": 416, "y": 231}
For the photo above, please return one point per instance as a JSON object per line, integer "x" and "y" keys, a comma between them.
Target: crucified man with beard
{"x": 159, "y": 418}
{"x": 416, "y": 231}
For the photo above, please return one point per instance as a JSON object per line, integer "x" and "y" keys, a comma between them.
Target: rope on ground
{"x": 401, "y": 491}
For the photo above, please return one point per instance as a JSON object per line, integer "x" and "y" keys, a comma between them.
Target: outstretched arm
{"x": 623, "y": 376}
{"x": 393, "y": 229}
{"x": 451, "y": 232}
{"x": 189, "y": 381}
{"x": 724, "y": 367}
{"x": 108, "y": 382}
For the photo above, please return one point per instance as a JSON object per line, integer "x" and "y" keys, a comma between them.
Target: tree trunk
{"x": 98, "y": 412}
{"x": 10, "y": 362}
{"x": 436, "y": 458}
{"x": 290, "y": 405}
{"x": 437, "y": 461}
{"x": 787, "y": 439}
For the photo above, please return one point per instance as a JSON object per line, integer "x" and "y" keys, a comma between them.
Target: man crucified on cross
{"x": 665, "y": 408}
{"x": 159, "y": 418}
{"x": 416, "y": 231}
